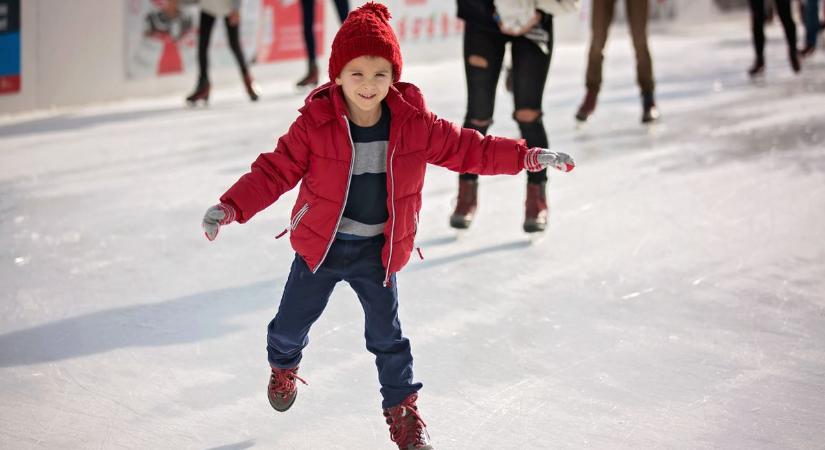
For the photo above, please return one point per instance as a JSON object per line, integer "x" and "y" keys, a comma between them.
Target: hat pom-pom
{"x": 378, "y": 9}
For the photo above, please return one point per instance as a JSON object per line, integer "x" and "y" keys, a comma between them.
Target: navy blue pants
{"x": 306, "y": 295}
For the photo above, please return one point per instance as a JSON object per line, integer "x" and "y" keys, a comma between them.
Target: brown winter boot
{"x": 252, "y": 88}
{"x": 465, "y": 207}
{"x": 310, "y": 80}
{"x": 282, "y": 390}
{"x": 588, "y": 106}
{"x": 407, "y": 429}
{"x": 535, "y": 210}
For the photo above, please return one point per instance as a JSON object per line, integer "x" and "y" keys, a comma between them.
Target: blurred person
{"x": 310, "y": 80}
{"x": 812, "y": 27}
{"x": 359, "y": 149}
{"x": 783, "y": 9}
{"x": 230, "y": 11}
{"x": 489, "y": 26}
{"x": 601, "y": 18}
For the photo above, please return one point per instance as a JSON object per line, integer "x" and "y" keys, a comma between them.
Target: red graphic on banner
{"x": 283, "y": 34}
{"x": 170, "y": 60}
{"x": 9, "y": 83}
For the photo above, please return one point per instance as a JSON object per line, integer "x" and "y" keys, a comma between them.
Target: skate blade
{"x": 192, "y": 104}
{"x": 536, "y": 237}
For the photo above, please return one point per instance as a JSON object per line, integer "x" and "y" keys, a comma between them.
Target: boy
{"x": 359, "y": 148}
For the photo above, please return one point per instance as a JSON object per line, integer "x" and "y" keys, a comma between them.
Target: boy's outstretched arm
{"x": 465, "y": 150}
{"x": 272, "y": 174}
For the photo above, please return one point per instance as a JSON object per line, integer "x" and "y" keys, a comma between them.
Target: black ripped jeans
{"x": 530, "y": 67}
{"x": 207, "y": 21}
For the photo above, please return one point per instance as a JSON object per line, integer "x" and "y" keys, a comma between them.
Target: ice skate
{"x": 466, "y": 205}
{"x": 407, "y": 429}
{"x": 253, "y": 90}
{"x": 282, "y": 390}
{"x": 309, "y": 81}
{"x": 650, "y": 113}
{"x": 588, "y": 106}
{"x": 535, "y": 210}
{"x": 201, "y": 94}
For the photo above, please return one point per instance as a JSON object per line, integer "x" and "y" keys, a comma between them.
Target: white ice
{"x": 677, "y": 301}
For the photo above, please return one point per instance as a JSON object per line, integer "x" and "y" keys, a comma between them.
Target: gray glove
{"x": 220, "y": 214}
{"x": 538, "y": 158}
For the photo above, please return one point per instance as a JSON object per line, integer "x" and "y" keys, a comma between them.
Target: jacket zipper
{"x": 296, "y": 219}
{"x": 346, "y": 195}
{"x": 392, "y": 228}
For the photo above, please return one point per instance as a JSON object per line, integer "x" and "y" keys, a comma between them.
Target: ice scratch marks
{"x": 637, "y": 293}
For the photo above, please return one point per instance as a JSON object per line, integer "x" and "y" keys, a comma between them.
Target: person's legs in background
{"x": 758, "y": 36}
{"x": 783, "y": 8}
{"x": 530, "y": 68}
{"x": 602, "y": 15}
{"x": 207, "y": 21}
{"x": 483, "y": 56}
{"x": 308, "y": 14}
{"x": 637, "y": 14}
{"x": 233, "y": 33}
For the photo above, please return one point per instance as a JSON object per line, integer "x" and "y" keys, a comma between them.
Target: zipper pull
{"x": 282, "y": 233}
{"x": 420, "y": 255}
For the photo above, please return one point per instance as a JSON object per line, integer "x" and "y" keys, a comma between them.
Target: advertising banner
{"x": 9, "y": 46}
{"x": 162, "y": 35}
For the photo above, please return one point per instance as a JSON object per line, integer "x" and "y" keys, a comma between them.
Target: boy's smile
{"x": 365, "y": 81}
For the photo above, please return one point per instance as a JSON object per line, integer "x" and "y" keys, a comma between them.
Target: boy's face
{"x": 365, "y": 81}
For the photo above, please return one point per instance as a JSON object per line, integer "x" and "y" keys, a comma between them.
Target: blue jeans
{"x": 811, "y": 22}
{"x": 358, "y": 262}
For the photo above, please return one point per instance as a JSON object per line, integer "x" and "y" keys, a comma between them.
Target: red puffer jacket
{"x": 318, "y": 150}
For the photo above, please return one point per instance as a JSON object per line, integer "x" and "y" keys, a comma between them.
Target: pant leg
{"x": 481, "y": 81}
{"x": 637, "y": 14}
{"x": 530, "y": 68}
{"x": 304, "y": 299}
{"x": 783, "y": 8}
{"x": 308, "y": 14}
{"x": 204, "y": 34}
{"x": 811, "y": 22}
{"x": 342, "y": 6}
{"x": 602, "y": 15}
{"x": 393, "y": 357}
{"x": 233, "y": 34}
{"x": 758, "y": 28}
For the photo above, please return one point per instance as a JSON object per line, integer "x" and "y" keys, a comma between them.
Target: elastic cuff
{"x": 229, "y": 211}
{"x": 531, "y": 160}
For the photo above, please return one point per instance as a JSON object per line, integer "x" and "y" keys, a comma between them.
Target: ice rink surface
{"x": 677, "y": 301}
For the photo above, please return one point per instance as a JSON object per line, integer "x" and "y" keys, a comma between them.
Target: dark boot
{"x": 465, "y": 207}
{"x": 407, "y": 429}
{"x": 310, "y": 80}
{"x": 650, "y": 113}
{"x": 252, "y": 88}
{"x": 282, "y": 390}
{"x": 201, "y": 93}
{"x": 535, "y": 208}
{"x": 588, "y": 106}
{"x": 793, "y": 58}
{"x": 757, "y": 69}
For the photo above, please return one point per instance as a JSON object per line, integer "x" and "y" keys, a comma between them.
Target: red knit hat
{"x": 366, "y": 31}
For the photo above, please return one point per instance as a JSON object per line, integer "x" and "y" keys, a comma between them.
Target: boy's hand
{"x": 538, "y": 158}
{"x": 220, "y": 214}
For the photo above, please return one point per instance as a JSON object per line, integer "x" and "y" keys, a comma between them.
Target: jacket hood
{"x": 326, "y": 102}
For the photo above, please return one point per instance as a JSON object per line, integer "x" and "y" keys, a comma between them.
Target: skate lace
{"x": 283, "y": 380}
{"x": 406, "y": 425}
